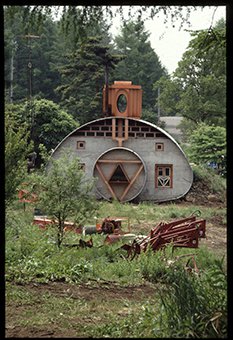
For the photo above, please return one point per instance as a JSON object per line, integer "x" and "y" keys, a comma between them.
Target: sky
{"x": 170, "y": 43}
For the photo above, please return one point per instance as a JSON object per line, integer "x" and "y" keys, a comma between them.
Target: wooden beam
{"x": 126, "y": 128}
{"x": 110, "y": 161}
{"x": 114, "y": 128}
{"x": 131, "y": 183}
{"x": 105, "y": 181}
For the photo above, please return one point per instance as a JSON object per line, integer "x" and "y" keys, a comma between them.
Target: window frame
{"x": 78, "y": 147}
{"x": 157, "y": 146}
{"x": 164, "y": 166}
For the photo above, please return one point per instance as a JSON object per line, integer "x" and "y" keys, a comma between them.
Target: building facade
{"x": 131, "y": 159}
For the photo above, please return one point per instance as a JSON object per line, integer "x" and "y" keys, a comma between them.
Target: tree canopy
{"x": 197, "y": 89}
{"x": 17, "y": 149}
{"x": 63, "y": 192}
{"x": 86, "y": 70}
{"x": 48, "y": 122}
{"x": 141, "y": 65}
{"x": 208, "y": 145}
{"x": 55, "y": 70}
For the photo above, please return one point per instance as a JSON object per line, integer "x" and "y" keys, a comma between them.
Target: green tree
{"x": 64, "y": 192}
{"x": 86, "y": 71}
{"x": 16, "y": 152}
{"x": 141, "y": 65}
{"x": 30, "y": 56}
{"x": 81, "y": 16}
{"x": 208, "y": 145}
{"x": 197, "y": 89}
{"x": 48, "y": 123}
{"x": 168, "y": 91}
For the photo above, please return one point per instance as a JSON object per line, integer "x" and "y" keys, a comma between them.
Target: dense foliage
{"x": 17, "y": 149}
{"x": 197, "y": 89}
{"x": 86, "y": 70}
{"x": 62, "y": 191}
{"x": 208, "y": 145}
{"x": 54, "y": 76}
{"x": 49, "y": 123}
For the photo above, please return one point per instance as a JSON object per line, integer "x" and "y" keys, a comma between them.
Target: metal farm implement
{"x": 184, "y": 232}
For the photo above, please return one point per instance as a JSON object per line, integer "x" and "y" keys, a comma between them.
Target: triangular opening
{"x": 119, "y": 176}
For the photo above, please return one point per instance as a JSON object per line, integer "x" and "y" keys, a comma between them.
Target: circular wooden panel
{"x": 120, "y": 173}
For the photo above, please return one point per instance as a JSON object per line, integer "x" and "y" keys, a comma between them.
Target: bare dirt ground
{"x": 216, "y": 240}
{"x": 84, "y": 292}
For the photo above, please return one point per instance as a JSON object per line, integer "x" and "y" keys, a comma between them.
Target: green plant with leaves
{"x": 87, "y": 69}
{"x": 197, "y": 88}
{"x": 64, "y": 192}
{"x": 29, "y": 44}
{"x": 47, "y": 123}
{"x": 17, "y": 148}
{"x": 207, "y": 145}
{"x": 196, "y": 306}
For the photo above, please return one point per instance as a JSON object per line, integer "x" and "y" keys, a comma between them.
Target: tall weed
{"x": 196, "y": 306}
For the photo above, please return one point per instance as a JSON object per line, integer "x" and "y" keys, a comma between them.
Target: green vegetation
{"x": 208, "y": 144}
{"x": 139, "y": 62}
{"x": 214, "y": 183}
{"x": 16, "y": 151}
{"x": 183, "y": 304}
{"x": 197, "y": 88}
{"x": 63, "y": 191}
{"x": 46, "y": 98}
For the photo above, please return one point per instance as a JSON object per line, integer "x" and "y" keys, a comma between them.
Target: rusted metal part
{"x": 43, "y": 222}
{"x": 180, "y": 233}
{"x": 111, "y": 225}
{"x": 108, "y": 225}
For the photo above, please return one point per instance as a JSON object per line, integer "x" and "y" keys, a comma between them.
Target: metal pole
{"x": 158, "y": 104}
{"x": 11, "y": 77}
{"x": 29, "y": 37}
{"x": 106, "y": 90}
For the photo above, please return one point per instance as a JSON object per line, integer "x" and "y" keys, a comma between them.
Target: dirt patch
{"x": 216, "y": 238}
{"x": 200, "y": 193}
{"x": 89, "y": 293}
{"x": 90, "y": 290}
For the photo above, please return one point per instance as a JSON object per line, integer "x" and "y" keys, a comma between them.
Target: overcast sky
{"x": 170, "y": 43}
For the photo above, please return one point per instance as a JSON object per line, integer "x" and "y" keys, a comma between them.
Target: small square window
{"x": 159, "y": 146}
{"x": 81, "y": 144}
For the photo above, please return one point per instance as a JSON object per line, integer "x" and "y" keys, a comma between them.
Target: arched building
{"x": 132, "y": 159}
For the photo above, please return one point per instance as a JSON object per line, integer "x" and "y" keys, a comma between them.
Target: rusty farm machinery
{"x": 184, "y": 232}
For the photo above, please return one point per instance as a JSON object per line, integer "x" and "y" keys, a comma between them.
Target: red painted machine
{"x": 181, "y": 233}
{"x": 109, "y": 225}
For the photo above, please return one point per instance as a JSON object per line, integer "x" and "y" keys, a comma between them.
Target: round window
{"x": 121, "y": 103}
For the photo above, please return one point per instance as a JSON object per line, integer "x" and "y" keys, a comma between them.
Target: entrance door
{"x": 120, "y": 174}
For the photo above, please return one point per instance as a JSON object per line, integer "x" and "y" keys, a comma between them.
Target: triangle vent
{"x": 119, "y": 176}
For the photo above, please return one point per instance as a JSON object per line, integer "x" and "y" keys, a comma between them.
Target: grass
{"x": 108, "y": 317}
{"x": 33, "y": 257}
